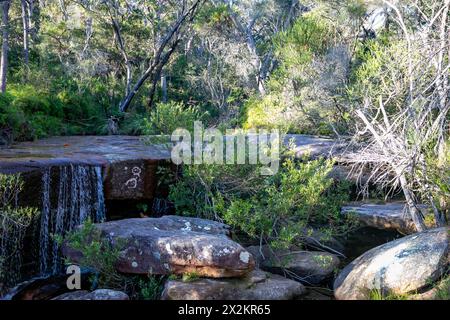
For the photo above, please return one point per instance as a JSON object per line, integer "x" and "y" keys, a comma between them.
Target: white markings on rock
{"x": 244, "y": 257}
{"x": 169, "y": 250}
{"x": 187, "y": 226}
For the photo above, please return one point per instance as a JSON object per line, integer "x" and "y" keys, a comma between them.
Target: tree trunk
{"x": 164, "y": 87}
{"x": 162, "y": 56}
{"x": 5, "y": 45}
{"x": 414, "y": 212}
{"x": 26, "y": 29}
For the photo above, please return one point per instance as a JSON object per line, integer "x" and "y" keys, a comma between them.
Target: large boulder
{"x": 311, "y": 267}
{"x": 388, "y": 216}
{"x": 258, "y": 285}
{"x": 99, "y": 294}
{"x": 403, "y": 266}
{"x": 173, "y": 245}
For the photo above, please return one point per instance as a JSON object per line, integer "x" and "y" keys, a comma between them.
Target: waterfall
{"x": 45, "y": 217}
{"x": 162, "y": 206}
{"x": 77, "y": 196}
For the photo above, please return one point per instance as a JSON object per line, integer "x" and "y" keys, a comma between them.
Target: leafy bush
{"x": 443, "y": 289}
{"x": 33, "y": 101}
{"x": 302, "y": 195}
{"x": 28, "y": 113}
{"x": 195, "y": 193}
{"x": 97, "y": 254}
{"x": 13, "y": 122}
{"x": 276, "y": 209}
{"x": 13, "y": 220}
{"x": 151, "y": 288}
{"x": 167, "y": 117}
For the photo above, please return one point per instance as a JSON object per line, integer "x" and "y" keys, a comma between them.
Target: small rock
{"x": 399, "y": 267}
{"x": 311, "y": 267}
{"x": 258, "y": 285}
{"x": 99, "y": 294}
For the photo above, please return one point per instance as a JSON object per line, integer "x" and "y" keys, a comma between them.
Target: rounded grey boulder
{"x": 403, "y": 266}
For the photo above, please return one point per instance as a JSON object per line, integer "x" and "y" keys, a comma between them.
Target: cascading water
{"x": 77, "y": 197}
{"x": 162, "y": 207}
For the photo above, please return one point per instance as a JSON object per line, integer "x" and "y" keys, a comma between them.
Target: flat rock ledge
{"x": 173, "y": 245}
{"x": 99, "y": 294}
{"x": 404, "y": 266}
{"x": 388, "y": 216}
{"x": 257, "y": 285}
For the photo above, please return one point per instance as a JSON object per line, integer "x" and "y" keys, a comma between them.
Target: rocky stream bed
{"x": 72, "y": 179}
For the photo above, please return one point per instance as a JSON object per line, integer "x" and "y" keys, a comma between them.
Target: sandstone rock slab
{"x": 258, "y": 285}
{"x": 174, "y": 245}
{"x": 388, "y": 216}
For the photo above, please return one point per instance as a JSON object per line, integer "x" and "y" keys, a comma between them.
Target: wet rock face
{"x": 129, "y": 164}
{"x": 310, "y": 267}
{"x": 389, "y": 216}
{"x": 135, "y": 179}
{"x": 399, "y": 267}
{"x": 174, "y": 245}
{"x": 99, "y": 294}
{"x": 257, "y": 285}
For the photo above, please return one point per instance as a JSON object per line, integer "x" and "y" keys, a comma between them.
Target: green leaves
{"x": 13, "y": 221}
{"x": 167, "y": 117}
{"x": 297, "y": 197}
{"x": 276, "y": 209}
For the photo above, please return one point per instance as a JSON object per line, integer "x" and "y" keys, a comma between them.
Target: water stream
{"x": 75, "y": 196}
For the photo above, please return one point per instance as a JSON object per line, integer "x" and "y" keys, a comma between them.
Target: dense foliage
{"x": 14, "y": 221}
{"x": 278, "y": 209}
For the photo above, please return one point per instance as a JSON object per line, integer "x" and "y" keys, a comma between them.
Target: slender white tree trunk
{"x": 5, "y": 45}
{"x": 26, "y": 30}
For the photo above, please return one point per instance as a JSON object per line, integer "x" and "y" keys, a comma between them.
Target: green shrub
{"x": 300, "y": 196}
{"x": 276, "y": 209}
{"x": 14, "y": 221}
{"x": 190, "y": 276}
{"x": 97, "y": 253}
{"x": 300, "y": 97}
{"x": 27, "y": 113}
{"x": 167, "y": 117}
{"x": 13, "y": 122}
{"x": 195, "y": 193}
{"x": 136, "y": 124}
{"x": 151, "y": 288}
{"x": 443, "y": 289}
{"x": 33, "y": 101}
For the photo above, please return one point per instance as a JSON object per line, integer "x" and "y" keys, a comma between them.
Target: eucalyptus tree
{"x": 5, "y": 44}
{"x": 169, "y": 20}
{"x": 256, "y": 22}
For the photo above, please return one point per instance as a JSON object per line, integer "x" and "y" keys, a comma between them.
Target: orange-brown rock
{"x": 174, "y": 245}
